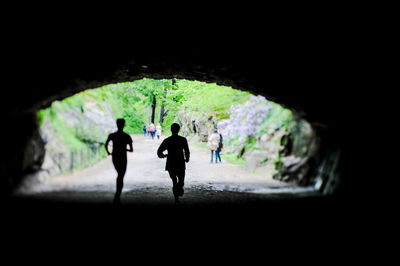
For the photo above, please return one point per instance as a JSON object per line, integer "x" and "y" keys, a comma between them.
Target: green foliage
{"x": 277, "y": 118}
{"x": 40, "y": 117}
{"x": 234, "y": 159}
{"x": 201, "y": 99}
{"x": 229, "y": 157}
{"x": 126, "y": 101}
{"x": 201, "y": 144}
{"x": 251, "y": 143}
{"x": 79, "y": 141}
{"x": 86, "y": 156}
{"x": 76, "y": 101}
{"x": 207, "y": 98}
{"x": 90, "y": 134}
{"x": 133, "y": 102}
{"x": 63, "y": 131}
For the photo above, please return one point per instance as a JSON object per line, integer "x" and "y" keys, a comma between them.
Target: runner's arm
{"x": 106, "y": 145}
{"x": 129, "y": 142}
{"x": 187, "y": 152}
{"x": 130, "y": 147}
{"x": 161, "y": 149}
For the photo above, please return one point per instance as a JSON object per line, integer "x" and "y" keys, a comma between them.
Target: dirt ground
{"x": 146, "y": 181}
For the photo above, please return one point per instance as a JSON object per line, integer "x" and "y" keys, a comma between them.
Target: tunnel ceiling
{"x": 307, "y": 79}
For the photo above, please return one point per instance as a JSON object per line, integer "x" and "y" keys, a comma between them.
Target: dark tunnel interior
{"x": 309, "y": 79}
{"x": 308, "y": 64}
{"x": 320, "y": 60}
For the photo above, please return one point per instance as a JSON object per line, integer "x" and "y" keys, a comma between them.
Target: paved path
{"x": 146, "y": 181}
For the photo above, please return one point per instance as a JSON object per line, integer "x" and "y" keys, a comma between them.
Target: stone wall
{"x": 263, "y": 158}
{"x": 22, "y": 153}
{"x": 299, "y": 153}
{"x": 194, "y": 124}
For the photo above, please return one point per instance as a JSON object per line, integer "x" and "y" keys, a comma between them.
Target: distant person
{"x": 220, "y": 146}
{"x": 178, "y": 154}
{"x": 144, "y": 130}
{"x": 152, "y": 129}
{"x": 148, "y": 130}
{"x": 213, "y": 144}
{"x": 120, "y": 140}
{"x": 158, "y": 130}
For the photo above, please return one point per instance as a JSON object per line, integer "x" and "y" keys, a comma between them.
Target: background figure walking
{"x": 218, "y": 151}
{"x": 178, "y": 153}
{"x": 144, "y": 130}
{"x": 120, "y": 140}
{"x": 158, "y": 130}
{"x": 152, "y": 130}
{"x": 213, "y": 144}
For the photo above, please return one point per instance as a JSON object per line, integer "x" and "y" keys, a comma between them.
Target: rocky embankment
{"x": 288, "y": 153}
{"x": 89, "y": 126}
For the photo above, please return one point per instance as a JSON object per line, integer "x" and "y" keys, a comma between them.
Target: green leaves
{"x": 132, "y": 100}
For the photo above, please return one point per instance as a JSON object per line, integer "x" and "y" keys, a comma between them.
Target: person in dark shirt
{"x": 120, "y": 141}
{"x": 177, "y": 157}
{"x": 144, "y": 130}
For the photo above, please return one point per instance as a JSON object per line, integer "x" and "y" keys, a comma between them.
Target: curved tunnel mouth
{"x": 293, "y": 146}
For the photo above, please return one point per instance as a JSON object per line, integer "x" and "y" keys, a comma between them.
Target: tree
{"x": 164, "y": 112}
{"x": 153, "y": 108}
{"x": 157, "y": 91}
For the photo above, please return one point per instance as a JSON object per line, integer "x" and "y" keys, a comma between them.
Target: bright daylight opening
{"x": 242, "y": 146}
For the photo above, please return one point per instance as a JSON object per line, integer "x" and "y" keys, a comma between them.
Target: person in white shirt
{"x": 213, "y": 144}
{"x": 158, "y": 130}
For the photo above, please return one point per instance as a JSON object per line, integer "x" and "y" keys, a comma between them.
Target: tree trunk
{"x": 163, "y": 113}
{"x": 153, "y": 107}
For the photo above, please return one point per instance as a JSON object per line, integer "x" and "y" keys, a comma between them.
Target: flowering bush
{"x": 245, "y": 119}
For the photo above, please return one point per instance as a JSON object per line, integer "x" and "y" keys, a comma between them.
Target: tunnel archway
{"x": 308, "y": 67}
{"x": 241, "y": 72}
{"x": 272, "y": 146}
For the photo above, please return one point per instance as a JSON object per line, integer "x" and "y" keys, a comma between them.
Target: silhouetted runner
{"x": 119, "y": 139}
{"x": 178, "y": 154}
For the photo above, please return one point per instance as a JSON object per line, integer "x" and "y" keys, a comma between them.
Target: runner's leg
{"x": 172, "y": 175}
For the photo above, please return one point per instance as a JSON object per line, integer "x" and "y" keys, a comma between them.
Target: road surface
{"x": 147, "y": 182}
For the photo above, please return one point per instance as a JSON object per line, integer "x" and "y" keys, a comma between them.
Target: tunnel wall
{"x": 23, "y": 150}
